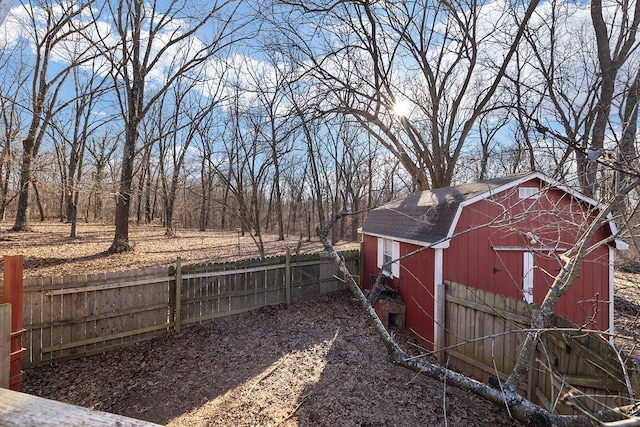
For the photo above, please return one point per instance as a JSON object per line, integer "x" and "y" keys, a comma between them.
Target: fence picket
{"x": 563, "y": 358}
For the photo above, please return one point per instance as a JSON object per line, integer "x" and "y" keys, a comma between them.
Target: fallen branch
{"x": 520, "y": 408}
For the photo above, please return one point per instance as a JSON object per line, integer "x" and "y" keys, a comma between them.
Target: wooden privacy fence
{"x": 81, "y": 315}
{"x": 484, "y": 334}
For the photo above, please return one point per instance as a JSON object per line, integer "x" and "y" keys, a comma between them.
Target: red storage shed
{"x": 503, "y": 235}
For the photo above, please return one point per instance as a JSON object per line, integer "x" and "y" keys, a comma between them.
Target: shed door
{"x": 524, "y": 274}
{"x": 508, "y": 271}
{"x": 539, "y": 271}
{"x": 547, "y": 268}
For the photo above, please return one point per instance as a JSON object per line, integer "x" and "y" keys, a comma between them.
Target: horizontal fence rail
{"x": 81, "y": 315}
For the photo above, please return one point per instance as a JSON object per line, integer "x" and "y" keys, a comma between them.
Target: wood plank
{"x": 113, "y": 337}
{"x": 500, "y": 354}
{"x": 594, "y": 382}
{"x": 32, "y": 314}
{"x": 237, "y": 271}
{"x": 56, "y": 316}
{"x": 91, "y": 323}
{"x": 104, "y": 326}
{"x": 5, "y": 345}
{"x": 191, "y": 296}
{"x": 121, "y": 323}
{"x": 94, "y": 318}
{"x": 19, "y": 409}
{"x": 482, "y": 307}
{"x": 480, "y": 322}
{"x": 208, "y": 292}
{"x": 46, "y": 334}
{"x": 611, "y": 369}
{"x": 488, "y": 345}
{"x": 451, "y": 316}
{"x": 542, "y": 399}
{"x": 68, "y": 302}
{"x": 511, "y": 347}
{"x": 222, "y": 314}
{"x": 107, "y": 286}
{"x": 460, "y": 325}
{"x": 487, "y": 369}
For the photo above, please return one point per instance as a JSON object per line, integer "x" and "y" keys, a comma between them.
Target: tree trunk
{"x": 140, "y": 190}
{"x": 121, "y": 238}
{"x": 278, "y": 191}
{"x": 205, "y": 177}
{"x": 519, "y": 408}
{"x": 170, "y": 201}
{"x": 627, "y": 149}
{"x": 223, "y": 212}
{"x": 22, "y": 211}
{"x": 98, "y": 207}
{"x": 38, "y": 202}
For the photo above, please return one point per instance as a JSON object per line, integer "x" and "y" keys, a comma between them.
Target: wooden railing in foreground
{"x": 76, "y": 316}
{"x": 484, "y": 333}
{"x": 20, "y": 409}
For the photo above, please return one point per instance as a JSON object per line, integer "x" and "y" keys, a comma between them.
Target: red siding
{"x": 369, "y": 259}
{"x": 416, "y": 288}
{"x": 415, "y": 285}
{"x": 587, "y": 301}
{"x": 555, "y": 220}
{"x": 488, "y": 254}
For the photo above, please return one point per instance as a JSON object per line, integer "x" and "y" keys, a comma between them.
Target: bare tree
{"x": 52, "y": 27}
{"x": 206, "y": 138}
{"x": 70, "y": 139}
{"x": 270, "y": 87}
{"x": 615, "y": 42}
{"x": 13, "y": 78}
{"x": 308, "y": 126}
{"x": 575, "y": 89}
{"x": 190, "y": 110}
{"x": 356, "y": 172}
{"x": 243, "y": 172}
{"x": 144, "y": 38}
{"x": 101, "y": 149}
{"x": 434, "y": 58}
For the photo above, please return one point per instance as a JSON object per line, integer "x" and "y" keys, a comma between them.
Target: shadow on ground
{"x": 315, "y": 363}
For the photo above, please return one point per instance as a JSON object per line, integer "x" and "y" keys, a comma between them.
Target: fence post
{"x": 287, "y": 274}
{"x": 12, "y": 294}
{"x": 177, "y": 319}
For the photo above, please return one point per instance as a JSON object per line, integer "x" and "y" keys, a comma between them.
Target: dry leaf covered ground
{"x": 49, "y": 251}
{"x": 316, "y": 362}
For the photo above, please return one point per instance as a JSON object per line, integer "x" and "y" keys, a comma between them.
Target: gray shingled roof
{"x": 427, "y": 216}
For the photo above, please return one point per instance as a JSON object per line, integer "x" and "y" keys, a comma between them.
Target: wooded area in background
{"x": 262, "y": 122}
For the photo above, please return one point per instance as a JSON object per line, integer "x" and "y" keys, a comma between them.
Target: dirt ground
{"x": 49, "y": 251}
{"x": 316, "y": 362}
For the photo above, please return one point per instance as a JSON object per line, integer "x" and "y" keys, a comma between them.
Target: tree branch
{"x": 520, "y": 408}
